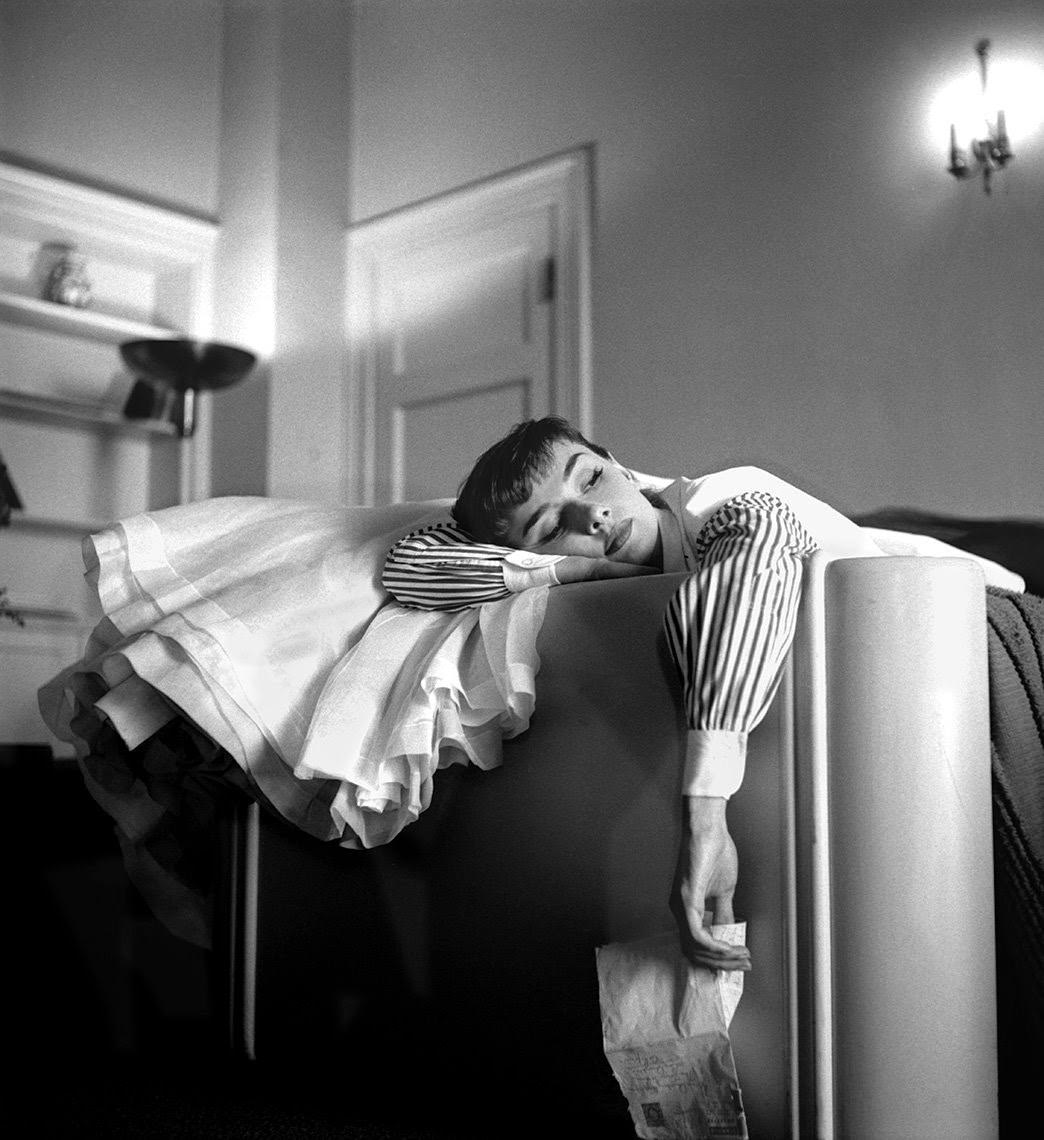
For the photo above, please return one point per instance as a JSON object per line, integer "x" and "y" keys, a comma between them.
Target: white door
{"x": 467, "y": 314}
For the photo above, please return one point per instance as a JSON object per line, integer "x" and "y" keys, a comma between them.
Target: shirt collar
{"x": 671, "y": 536}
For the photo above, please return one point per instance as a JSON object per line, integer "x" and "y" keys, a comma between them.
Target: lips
{"x": 618, "y": 536}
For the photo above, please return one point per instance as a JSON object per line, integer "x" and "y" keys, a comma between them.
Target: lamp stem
{"x": 186, "y": 421}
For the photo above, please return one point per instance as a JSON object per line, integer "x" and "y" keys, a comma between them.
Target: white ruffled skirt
{"x": 259, "y": 629}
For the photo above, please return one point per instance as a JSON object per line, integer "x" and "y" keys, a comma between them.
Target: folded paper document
{"x": 665, "y": 1031}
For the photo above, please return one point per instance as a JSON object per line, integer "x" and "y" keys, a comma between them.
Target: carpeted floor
{"x": 108, "y": 1026}
{"x": 132, "y": 1102}
{"x": 141, "y": 1106}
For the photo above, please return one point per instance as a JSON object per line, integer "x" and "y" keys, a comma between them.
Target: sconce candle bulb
{"x": 958, "y": 163}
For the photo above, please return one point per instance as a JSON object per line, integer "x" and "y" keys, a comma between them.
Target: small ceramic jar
{"x": 68, "y": 283}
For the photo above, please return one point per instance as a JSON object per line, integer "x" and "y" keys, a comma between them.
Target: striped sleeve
{"x": 441, "y": 567}
{"x": 729, "y": 629}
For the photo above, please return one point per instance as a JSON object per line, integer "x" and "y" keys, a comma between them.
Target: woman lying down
{"x": 545, "y": 506}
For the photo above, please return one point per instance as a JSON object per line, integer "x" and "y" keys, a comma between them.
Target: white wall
{"x": 784, "y": 273}
{"x": 120, "y": 92}
{"x": 246, "y": 264}
{"x": 284, "y": 187}
{"x": 235, "y": 109}
{"x": 308, "y": 413}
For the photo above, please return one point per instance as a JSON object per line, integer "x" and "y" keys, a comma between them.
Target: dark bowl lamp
{"x": 170, "y": 373}
{"x": 9, "y": 498}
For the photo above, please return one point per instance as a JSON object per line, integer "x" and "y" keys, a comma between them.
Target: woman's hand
{"x": 577, "y": 568}
{"x": 705, "y": 878}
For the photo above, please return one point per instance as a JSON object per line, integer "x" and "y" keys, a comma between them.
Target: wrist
{"x": 702, "y": 812}
{"x": 574, "y": 568}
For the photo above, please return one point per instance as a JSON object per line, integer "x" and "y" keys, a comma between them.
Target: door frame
{"x": 563, "y": 182}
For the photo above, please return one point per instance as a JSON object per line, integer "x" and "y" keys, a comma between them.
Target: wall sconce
{"x": 170, "y": 373}
{"x": 993, "y": 152}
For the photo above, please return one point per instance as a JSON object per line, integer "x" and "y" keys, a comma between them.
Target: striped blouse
{"x": 729, "y": 626}
{"x": 441, "y": 567}
{"x": 729, "y": 629}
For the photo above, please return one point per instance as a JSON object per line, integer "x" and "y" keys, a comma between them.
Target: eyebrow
{"x": 566, "y": 472}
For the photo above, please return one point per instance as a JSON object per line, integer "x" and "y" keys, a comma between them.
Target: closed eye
{"x": 550, "y": 535}
{"x": 589, "y": 484}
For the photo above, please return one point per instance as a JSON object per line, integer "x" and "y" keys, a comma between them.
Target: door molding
{"x": 562, "y": 183}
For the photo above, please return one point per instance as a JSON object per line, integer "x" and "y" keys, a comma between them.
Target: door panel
{"x": 471, "y": 300}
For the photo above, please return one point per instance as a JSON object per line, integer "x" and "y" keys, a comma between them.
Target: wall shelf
{"x": 45, "y": 613}
{"x": 76, "y": 413}
{"x": 151, "y": 271}
{"x": 20, "y": 309}
{"x": 76, "y": 460}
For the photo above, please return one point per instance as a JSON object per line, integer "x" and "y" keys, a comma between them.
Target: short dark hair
{"x": 502, "y": 477}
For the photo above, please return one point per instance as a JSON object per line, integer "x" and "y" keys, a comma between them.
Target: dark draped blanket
{"x": 1016, "y": 663}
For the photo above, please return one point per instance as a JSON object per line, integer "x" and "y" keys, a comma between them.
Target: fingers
{"x": 729, "y": 964}
{"x": 699, "y": 946}
{"x": 702, "y": 949}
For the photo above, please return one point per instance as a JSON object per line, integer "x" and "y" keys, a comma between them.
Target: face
{"x": 587, "y": 505}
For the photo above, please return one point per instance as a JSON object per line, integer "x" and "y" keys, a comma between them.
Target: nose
{"x": 589, "y": 518}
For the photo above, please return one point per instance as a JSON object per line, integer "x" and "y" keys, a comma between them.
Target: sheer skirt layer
{"x": 248, "y": 643}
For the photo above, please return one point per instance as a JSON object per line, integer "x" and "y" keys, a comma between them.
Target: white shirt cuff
{"x": 715, "y": 759}
{"x": 523, "y": 570}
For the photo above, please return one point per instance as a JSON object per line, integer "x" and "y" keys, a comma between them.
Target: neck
{"x": 662, "y": 515}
